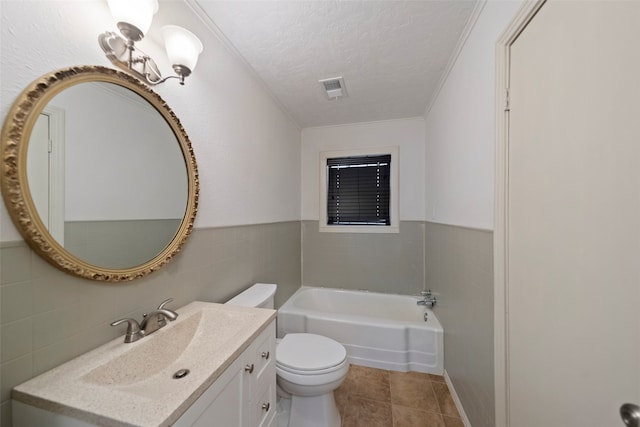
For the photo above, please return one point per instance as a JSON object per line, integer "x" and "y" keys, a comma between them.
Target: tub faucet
{"x": 157, "y": 319}
{"x": 429, "y": 300}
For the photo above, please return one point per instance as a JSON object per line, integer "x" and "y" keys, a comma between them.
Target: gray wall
{"x": 123, "y": 243}
{"x": 381, "y": 262}
{"x": 455, "y": 262}
{"x": 48, "y": 317}
{"x": 459, "y": 268}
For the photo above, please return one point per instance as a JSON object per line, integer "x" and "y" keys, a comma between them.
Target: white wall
{"x": 460, "y": 130}
{"x": 134, "y": 170}
{"x": 460, "y": 138}
{"x": 407, "y": 134}
{"x": 248, "y": 150}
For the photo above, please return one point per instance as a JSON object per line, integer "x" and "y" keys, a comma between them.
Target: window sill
{"x": 359, "y": 229}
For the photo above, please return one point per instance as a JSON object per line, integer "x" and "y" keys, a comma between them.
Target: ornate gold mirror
{"x": 98, "y": 174}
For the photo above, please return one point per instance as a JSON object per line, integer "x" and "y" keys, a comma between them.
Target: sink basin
{"x": 149, "y": 356}
{"x": 133, "y": 384}
{"x": 174, "y": 347}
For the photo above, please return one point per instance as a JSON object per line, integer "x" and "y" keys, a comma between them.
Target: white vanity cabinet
{"x": 244, "y": 395}
{"x": 229, "y": 352}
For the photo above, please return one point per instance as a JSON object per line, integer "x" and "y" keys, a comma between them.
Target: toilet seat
{"x": 329, "y": 380}
{"x": 281, "y": 368}
{"x": 309, "y": 354}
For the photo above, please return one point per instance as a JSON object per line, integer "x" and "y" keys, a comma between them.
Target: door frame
{"x": 500, "y": 236}
{"x": 56, "y": 174}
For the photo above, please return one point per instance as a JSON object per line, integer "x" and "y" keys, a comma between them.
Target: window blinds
{"x": 358, "y": 190}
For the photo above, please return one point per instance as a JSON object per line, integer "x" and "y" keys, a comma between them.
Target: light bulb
{"x": 182, "y": 46}
{"x": 137, "y": 13}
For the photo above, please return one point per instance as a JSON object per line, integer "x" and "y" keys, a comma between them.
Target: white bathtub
{"x": 378, "y": 330}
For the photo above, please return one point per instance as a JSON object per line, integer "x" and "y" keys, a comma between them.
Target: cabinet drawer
{"x": 264, "y": 406}
{"x": 265, "y": 352}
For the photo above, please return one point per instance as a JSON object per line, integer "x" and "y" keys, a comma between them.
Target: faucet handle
{"x": 426, "y": 293}
{"x": 167, "y": 311}
{"x": 165, "y": 302}
{"x": 134, "y": 333}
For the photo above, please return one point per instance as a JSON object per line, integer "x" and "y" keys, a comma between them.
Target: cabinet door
{"x": 226, "y": 408}
{"x": 237, "y": 397}
{"x": 222, "y": 403}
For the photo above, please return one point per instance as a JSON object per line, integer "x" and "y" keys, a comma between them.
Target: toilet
{"x": 309, "y": 367}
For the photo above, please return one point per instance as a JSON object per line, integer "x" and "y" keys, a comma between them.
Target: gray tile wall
{"x": 382, "y": 262}
{"x": 48, "y": 317}
{"x": 455, "y": 262}
{"x": 123, "y": 243}
{"x": 459, "y": 268}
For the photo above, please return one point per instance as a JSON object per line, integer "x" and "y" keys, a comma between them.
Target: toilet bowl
{"x": 309, "y": 367}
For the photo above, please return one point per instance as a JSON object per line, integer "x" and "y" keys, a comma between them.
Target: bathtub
{"x": 378, "y": 330}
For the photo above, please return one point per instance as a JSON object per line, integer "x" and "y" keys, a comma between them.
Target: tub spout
{"x": 429, "y": 300}
{"x": 429, "y": 303}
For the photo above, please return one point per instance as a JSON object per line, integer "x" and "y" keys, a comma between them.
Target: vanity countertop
{"x": 121, "y": 384}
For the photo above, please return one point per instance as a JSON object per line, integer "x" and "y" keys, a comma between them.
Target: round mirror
{"x": 98, "y": 174}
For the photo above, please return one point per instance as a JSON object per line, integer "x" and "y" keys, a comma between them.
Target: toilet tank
{"x": 260, "y": 295}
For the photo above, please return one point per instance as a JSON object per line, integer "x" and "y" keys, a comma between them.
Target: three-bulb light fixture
{"x": 133, "y": 18}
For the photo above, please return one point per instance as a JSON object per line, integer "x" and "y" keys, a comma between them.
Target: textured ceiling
{"x": 391, "y": 54}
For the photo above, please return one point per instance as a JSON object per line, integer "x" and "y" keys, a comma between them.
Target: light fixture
{"x": 133, "y": 18}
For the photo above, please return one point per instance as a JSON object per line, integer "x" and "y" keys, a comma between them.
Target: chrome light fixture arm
{"x": 126, "y": 56}
{"x": 133, "y": 19}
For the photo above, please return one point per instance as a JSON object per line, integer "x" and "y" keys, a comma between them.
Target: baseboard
{"x": 456, "y": 400}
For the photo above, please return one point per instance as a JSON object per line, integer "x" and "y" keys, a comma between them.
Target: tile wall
{"x": 455, "y": 262}
{"x": 459, "y": 268}
{"x": 124, "y": 242}
{"x": 48, "y": 317}
{"x": 383, "y": 262}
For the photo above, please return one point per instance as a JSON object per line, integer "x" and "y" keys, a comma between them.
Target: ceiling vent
{"x": 334, "y": 88}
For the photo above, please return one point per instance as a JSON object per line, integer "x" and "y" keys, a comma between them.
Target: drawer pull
{"x": 266, "y": 406}
{"x": 249, "y": 368}
{"x": 265, "y": 355}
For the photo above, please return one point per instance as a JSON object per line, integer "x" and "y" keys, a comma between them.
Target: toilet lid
{"x": 309, "y": 352}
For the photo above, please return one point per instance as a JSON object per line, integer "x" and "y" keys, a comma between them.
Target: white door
{"x": 573, "y": 216}
{"x": 45, "y": 169}
{"x": 38, "y": 166}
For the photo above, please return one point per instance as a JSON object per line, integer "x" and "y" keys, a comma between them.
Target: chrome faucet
{"x": 134, "y": 333}
{"x": 151, "y": 322}
{"x": 428, "y": 299}
{"x": 157, "y": 319}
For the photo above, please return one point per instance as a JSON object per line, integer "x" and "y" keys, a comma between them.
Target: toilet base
{"x": 314, "y": 411}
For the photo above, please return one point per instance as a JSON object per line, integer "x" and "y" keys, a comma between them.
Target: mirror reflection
{"x": 107, "y": 175}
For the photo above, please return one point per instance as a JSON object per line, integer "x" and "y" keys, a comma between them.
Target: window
{"x": 358, "y": 191}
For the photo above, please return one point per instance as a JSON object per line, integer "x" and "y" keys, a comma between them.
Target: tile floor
{"x": 377, "y": 398}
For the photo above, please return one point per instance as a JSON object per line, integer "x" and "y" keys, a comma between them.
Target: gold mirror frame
{"x": 15, "y": 135}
